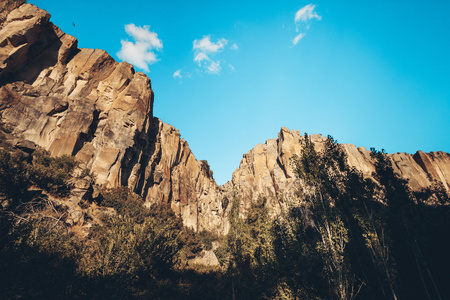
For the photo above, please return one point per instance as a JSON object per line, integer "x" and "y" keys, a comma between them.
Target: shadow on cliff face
{"x": 84, "y": 138}
{"x": 141, "y": 153}
{"x": 40, "y": 55}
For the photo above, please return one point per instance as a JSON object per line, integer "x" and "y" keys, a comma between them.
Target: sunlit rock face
{"x": 171, "y": 174}
{"x": 82, "y": 102}
{"x": 266, "y": 170}
{"x": 420, "y": 170}
{"x": 70, "y": 101}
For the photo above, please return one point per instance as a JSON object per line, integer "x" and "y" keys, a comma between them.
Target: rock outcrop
{"x": 70, "y": 101}
{"x": 82, "y": 102}
{"x": 266, "y": 169}
{"x": 172, "y": 175}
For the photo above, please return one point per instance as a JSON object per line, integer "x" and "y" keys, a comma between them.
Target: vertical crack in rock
{"x": 89, "y": 136}
{"x": 147, "y": 170}
{"x": 282, "y": 167}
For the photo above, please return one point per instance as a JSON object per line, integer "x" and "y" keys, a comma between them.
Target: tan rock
{"x": 6, "y": 6}
{"x": 172, "y": 175}
{"x": 266, "y": 169}
{"x": 82, "y": 102}
{"x": 68, "y": 100}
{"x": 436, "y": 165}
{"x": 206, "y": 258}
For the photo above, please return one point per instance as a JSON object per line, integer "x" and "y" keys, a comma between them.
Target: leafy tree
{"x": 298, "y": 264}
{"x": 322, "y": 185}
{"x": 407, "y": 220}
{"x": 13, "y": 175}
{"x": 250, "y": 245}
{"x": 344, "y": 217}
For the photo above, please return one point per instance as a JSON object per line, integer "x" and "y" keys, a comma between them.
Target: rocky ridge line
{"x": 266, "y": 169}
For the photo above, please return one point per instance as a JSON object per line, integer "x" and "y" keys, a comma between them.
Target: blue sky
{"x": 228, "y": 74}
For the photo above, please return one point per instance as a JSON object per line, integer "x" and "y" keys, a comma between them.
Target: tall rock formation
{"x": 172, "y": 175}
{"x": 266, "y": 169}
{"x": 82, "y": 102}
{"x": 68, "y": 100}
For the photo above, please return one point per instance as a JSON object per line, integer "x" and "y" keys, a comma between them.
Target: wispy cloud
{"x": 214, "y": 67}
{"x": 205, "y": 45}
{"x": 298, "y": 38}
{"x": 303, "y": 19}
{"x": 177, "y": 74}
{"x": 141, "y": 52}
{"x": 306, "y": 13}
{"x": 180, "y": 75}
{"x": 205, "y": 52}
{"x": 234, "y": 47}
{"x": 199, "y": 57}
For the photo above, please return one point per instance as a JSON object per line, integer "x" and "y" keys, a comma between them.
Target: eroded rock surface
{"x": 266, "y": 169}
{"x": 82, "y": 102}
{"x": 172, "y": 175}
{"x": 71, "y": 101}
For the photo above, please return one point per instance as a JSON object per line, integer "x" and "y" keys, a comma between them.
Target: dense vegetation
{"x": 342, "y": 237}
{"x": 345, "y": 236}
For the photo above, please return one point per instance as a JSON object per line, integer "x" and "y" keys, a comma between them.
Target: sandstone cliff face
{"x": 68, "y": 100}
{"x": 82, "y": 102}
{"x": 172, "y": 175}
{"x": 266, "y": 169}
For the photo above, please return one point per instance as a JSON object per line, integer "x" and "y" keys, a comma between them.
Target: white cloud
{"x": 140, "y": 53}
{"x": 214, "y": 67}
{"x": 143, "y": 34}
{"x": 205, "y": 45}
{"x": 199, "y": 57}
{"x": 177, "y": 74}
{"x": 231, "y": 66}
{"x": 205, "y": 52}
{"x": 303, "y": 18}
{"x": 306, "y": 13}
{"x": 298, "y": 38}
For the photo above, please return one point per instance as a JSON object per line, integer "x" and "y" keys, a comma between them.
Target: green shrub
{"x": 207, "y": 238}
{"x": 205, "y": 167}
{"x": 125, "y": 203}
{"x": 13, "y": 175}
{"x": 51, "y": 173}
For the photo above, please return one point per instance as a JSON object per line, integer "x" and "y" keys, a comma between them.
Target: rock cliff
{"x": 82, "y": 102}
{"x": 70, "y": 101}
{"x": 266, "y": 169}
